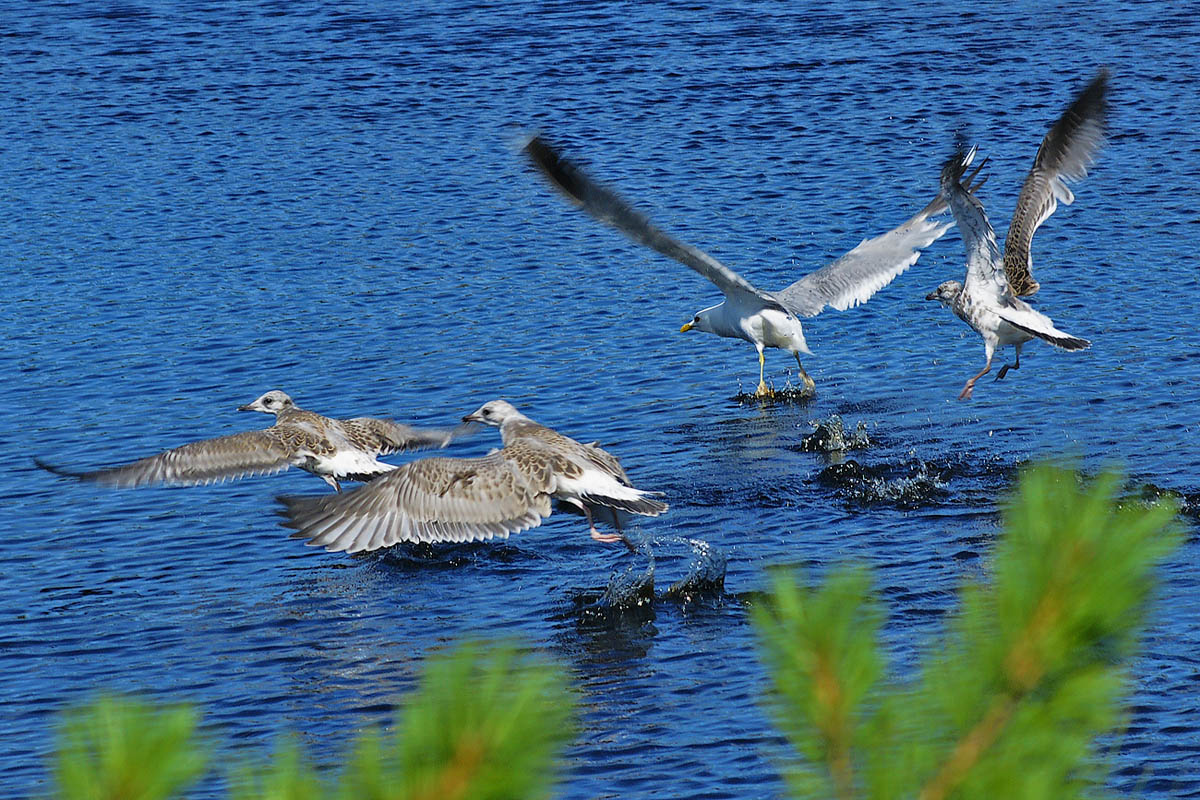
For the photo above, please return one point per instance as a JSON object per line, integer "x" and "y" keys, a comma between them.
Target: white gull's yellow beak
{"x": 687, "y": 326}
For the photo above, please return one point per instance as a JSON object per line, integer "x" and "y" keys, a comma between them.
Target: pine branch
{"x": 822, "y": 647}
{"x": 458, "y": 776}
{"x": 834, "y": 724}
{"x": 1013, "y": 698}
{"x": 1024, "y": 668}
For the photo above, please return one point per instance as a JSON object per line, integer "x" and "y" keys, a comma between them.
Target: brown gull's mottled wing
{"x": 384, "y": 436}
{"x": 1065, "y": 154}
{"x": 577, "y": 453}
{"x": 207, "y": 461}
{"x": 609, "y": 208}
{"x": 431, "y": 500}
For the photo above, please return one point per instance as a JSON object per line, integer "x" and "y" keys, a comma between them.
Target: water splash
{"x": 829, "y": 436}
{"x": 633, "y": 586}
{"x": 909, "y": 484}
{"x": 706, "y": 573}
{"x": 789, "y": 394}
{"x": 1146, "y": 492}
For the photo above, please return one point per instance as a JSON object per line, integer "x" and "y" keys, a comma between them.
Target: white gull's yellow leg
{"x": 763, "y": 391}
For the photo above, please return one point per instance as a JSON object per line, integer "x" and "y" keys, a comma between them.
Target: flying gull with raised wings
{"x": 765, "y": 319}
{"x": 468, "y": 499}
{"x": 989, "y": 299}
{"x": 332, "y": 449}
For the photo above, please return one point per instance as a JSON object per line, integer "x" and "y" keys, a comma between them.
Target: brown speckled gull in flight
{"x": 468, "y": 499}
{"x": 989, "y": 299}
{"x": 331, "y": 449}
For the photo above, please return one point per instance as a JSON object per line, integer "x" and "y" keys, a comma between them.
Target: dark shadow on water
{"x": 442, "y": 556}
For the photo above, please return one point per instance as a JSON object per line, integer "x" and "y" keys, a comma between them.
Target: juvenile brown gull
{"x": 467, "y": 499}
{"x": 765, "y": 319}
{"x": 331, "y": 449}
{"x": 989, "y": 299}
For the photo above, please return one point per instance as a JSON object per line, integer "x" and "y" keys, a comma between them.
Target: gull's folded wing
{"x": 386, "y": 436}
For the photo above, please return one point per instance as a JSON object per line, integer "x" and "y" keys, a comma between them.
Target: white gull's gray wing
{"x": 609, "y": 208}
{"x": 1065, "y": 154}
{"x": 430, "y": 500}
{"x": 855, "y": 277}
{"x": 985, "y": 273}
{"x": 872, "y": 265}
{"x": 206, "y": 461}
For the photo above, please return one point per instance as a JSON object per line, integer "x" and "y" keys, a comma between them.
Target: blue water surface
{"x": 204, "y": 201}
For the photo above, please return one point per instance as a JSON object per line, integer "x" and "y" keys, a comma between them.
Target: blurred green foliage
{"x": 120, "y": 748}
{"x": 1011, "y": 698}
{"x": 485, "y": 722}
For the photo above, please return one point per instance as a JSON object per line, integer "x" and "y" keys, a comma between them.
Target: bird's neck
{"x": 514, "y": 426}
{"x": 723, "y": 320}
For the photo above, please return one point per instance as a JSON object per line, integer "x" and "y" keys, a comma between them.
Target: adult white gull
{"x": 765, "y": 319}
{"x": 331, "y": 449}
{"x": 989, "y": 299}
{"x": 467, "y": 499}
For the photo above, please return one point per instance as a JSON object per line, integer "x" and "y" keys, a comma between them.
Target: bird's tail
{"x": 1052, "y": 336}
{"x": 642, "y": 504}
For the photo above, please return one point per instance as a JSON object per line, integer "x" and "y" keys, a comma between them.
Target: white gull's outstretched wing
{"x": 1065, "y": 154}
{"x": 609, "y": 208}
{"x": 872, "y": 265}
{"x": 855, "y": 277}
